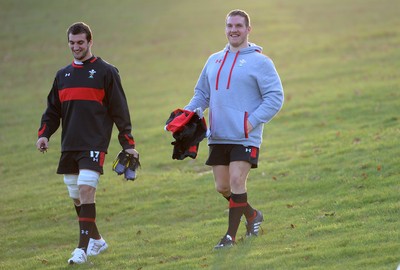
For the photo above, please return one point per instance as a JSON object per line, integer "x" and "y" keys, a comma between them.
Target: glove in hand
{"x": 126, "y": 164}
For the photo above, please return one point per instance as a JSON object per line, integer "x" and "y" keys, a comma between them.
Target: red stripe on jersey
{"x": 130, "y": 141}
{"x": 81, "y": 93}
{"x": 41, "y": 131}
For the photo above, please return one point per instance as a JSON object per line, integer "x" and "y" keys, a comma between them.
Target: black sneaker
{"x": 226, "y": 242}
{"x": 253, "y": 228}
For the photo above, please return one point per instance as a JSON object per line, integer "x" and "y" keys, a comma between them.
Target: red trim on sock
{"x": 233, "y": 204}
{"x": 87, "y": 219}
{"x": 253, "y": 217}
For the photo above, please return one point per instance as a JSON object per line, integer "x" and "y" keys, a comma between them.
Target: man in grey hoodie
{"x": 243, "y": 91}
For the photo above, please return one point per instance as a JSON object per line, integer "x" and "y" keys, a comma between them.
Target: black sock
{"x": 250, "y": 213}
{"x": 95, "y": 232}
{"x": 77, "y": 209}
{"x": 237, "y": 205}
{"x": 87, "y": 218}
{"x": 228, "y": 198}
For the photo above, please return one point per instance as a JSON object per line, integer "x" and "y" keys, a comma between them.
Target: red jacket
{"x": 189, "y": 130}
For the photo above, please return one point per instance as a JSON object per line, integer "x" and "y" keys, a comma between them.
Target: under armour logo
{"x": 248, "y": 150}
{"x": 84, "y": 232}
{"x": 67, "y": 74}
{"x": 218, "y": 61}
{"x": 242, "y": 62}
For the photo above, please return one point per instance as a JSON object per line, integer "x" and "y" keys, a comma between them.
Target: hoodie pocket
{"x": 228, "y": 123}
{"x": 246, "y": 116}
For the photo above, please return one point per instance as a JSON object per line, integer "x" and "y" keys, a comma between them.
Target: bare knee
{"x": 87, "y": 194}
{"x": 223, "y": 189}
{"x": 77, "y": 202}
{"x": 236, "y": 181}
{"x": 238, "y": 184}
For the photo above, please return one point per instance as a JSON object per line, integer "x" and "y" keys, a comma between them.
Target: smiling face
{"x": 237, "y": 32}
{"x": 80, "y": 46}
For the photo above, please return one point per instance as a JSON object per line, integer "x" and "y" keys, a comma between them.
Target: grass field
{"x": 328, "y": 176}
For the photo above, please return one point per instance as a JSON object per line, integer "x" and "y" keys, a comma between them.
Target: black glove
{"x": 126, "y": 164}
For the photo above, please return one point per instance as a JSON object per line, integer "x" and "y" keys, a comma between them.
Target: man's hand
{"x": 42, "y": 144}
{"x": 126, "y": 162}
{"x": 249, "y": 127}
{"x": 132, "y": 152}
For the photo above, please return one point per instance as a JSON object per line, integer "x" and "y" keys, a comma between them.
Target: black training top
{"x": 89, "y": 99}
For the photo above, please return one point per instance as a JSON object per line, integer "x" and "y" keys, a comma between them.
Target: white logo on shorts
{"x": 95, "y": 155}
{"x": 248, "y": 150}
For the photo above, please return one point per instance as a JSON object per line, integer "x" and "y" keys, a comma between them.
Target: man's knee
{"x": 87, "y": 194}
{"x": 71, "y": 181}
{"x": 87, "y": 183}
{"x": 88, "y": 177}
{"x": 236, "y": 180}
{"x": 223, "y": 189}
{"x": 77, "y": 202}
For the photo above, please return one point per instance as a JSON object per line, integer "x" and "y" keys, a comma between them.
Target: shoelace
{"x": 96, "y": 246}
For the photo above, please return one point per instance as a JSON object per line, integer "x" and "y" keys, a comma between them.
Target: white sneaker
{"x": 95, "y": 247}
{"x": 78, "y": 257}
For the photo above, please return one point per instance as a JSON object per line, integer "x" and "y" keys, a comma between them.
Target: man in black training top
{"x": 88, "y": 98}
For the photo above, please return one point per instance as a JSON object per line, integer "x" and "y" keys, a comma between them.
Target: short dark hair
{"x": 80, "y": 28}
{"x": 239, "y": 12}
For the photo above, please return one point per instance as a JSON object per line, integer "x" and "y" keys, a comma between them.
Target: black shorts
{"x": 223, "y": 154}
{"x": 72, "y": 162}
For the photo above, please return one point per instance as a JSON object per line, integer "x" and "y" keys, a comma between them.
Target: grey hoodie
{"x": 236, "y": 87}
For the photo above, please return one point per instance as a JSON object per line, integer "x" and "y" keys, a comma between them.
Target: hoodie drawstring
{"x": 230, "y": 73}
{"x": 219, "y": 70}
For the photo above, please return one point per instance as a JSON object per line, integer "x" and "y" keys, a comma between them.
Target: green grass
{"x": 328, "y": 178}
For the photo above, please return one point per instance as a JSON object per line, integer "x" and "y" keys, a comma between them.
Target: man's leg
{"x": 95, "y": 233}
{"x": 221, "y": 178}
{"x": 238, "y": 172}
{"x": 239, "y": 205}
{"x": 78, "y": 255}
{"x": 87, "y": 183}
{"x": 230, "y": 181}
{"x": 90, "y": 239}
{"x": 222, "y": 185}
{"x": 87, "y": 216}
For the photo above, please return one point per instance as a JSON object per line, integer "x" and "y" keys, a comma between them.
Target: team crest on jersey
{"x": 91, "y": 73}
{"x": 242, "y": 62}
